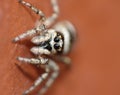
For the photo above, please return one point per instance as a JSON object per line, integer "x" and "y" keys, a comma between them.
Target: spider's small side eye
{"x": 56, "y": 46}
{"x": 57, "y": 39}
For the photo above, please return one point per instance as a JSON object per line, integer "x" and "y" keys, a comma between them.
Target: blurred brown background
{"x": 96, "y": 54}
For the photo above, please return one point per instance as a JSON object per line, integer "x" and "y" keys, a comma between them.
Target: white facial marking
{"x": 53, "y": 35}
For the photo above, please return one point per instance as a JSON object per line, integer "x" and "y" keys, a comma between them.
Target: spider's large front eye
{"x": 56, "y": 46}
{"x": 48, "y": 46}
{"x": 57, "y": 39}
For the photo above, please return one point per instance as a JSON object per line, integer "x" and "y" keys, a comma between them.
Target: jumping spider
{"x": 55, "y": 42}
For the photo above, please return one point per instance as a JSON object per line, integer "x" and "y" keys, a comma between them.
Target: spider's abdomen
{"x": 69, "y": 34}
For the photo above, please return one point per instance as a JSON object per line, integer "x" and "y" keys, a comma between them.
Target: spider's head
{"x": 57, "y": 42}
{"x": 51, "y": 42}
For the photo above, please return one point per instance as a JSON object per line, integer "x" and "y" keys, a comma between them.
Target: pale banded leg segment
{"x": 39, "y": 51}
{"x": 50, "y": 20}
{"x": 37, "y": 82}
{"x": 41, "y": 60}
{"x": 31, "y": 32}
{"x": 54, "y": 67}
{"x": 34, "y": 9}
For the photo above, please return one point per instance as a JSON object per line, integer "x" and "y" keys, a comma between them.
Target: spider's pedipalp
{"x": 24, "y": 35}
{"x": 40, "y": 51}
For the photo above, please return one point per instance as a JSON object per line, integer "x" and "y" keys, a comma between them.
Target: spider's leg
{"x": 54, "y": 67}
{"x": 34, "y": 9}
{"x": 39, "y": 60}
{"x": 37, "y": 82}
{"x": 41, "y": 38}
{"x": 66, "y": 60}
{"x": 30, "y": 33}
{"x": 50, "y": 20}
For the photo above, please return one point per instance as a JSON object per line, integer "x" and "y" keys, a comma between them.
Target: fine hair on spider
{"x": 55, "y": 42}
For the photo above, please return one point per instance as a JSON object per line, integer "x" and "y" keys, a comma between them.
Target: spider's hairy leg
{"x": 31, "y": 32}
{"x": 39, "y": 80}
{"x": 41, "y": 38}
{"x": 54, "y": 67}
{"x": 34, "y": 9}
{"x": 34, "y": 61}
{"x": 50, "y": 20}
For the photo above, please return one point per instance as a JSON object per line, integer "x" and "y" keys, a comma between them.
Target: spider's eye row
{"x": 56, "y": 46}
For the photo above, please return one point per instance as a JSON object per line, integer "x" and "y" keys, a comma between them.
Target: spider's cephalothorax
{"x": 50, "y": 43}
{"x": 55, "y": 41}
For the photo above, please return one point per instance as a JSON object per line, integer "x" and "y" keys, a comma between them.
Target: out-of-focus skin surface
{"x": 95, "y": 56}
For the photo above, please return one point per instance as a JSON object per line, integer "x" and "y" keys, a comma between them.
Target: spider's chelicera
{"x": 54, "y": 42}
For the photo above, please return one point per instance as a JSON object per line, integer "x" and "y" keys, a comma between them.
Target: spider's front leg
{"x": 31, "y": 32}
{"x": 35, "y": 61}
{"x": 34, "y": 9}
{"x": 40, "y": 51}
{"x": 38, "y": 29}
